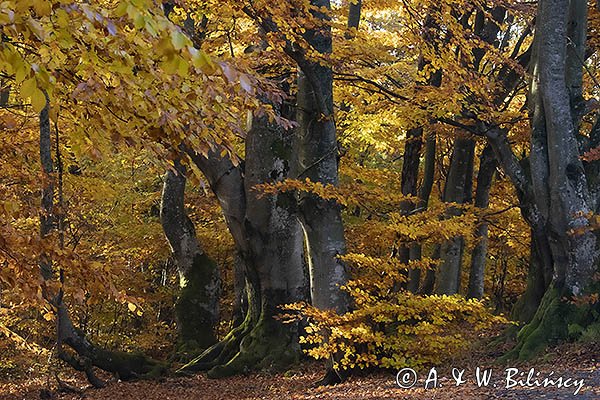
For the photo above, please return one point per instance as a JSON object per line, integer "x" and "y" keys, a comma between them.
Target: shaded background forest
{"x": 135, "y": 95}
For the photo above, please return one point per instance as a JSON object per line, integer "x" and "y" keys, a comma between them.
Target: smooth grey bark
{"x": 457, "y": 186}
{"x": 226, "y": 180}
{"x": 269, "y": 241}
{"x": 576, "y": 38}
{"x": 275, "y": 237}
{"x": 317, "y": 159}
{"x": 575, "y": 256}
{"x": 485, "y": 176}
{"x": 197, "y": 307}
{"x": 554, "y": 195}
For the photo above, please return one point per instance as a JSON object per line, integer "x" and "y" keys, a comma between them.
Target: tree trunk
{"x": 558, "y": 179}
{"x": 270, "y": 243}
{"x": 414, "y": 252}
{"x": 564, "y": 196}
{"x": 429, "y": 281}
{"x": 424, "y": 193}
{"x": 87, "y": 355}
{"x": 408, "y": 186}
{"x": 354, "y": 14}
{"x": 317, "y": 160}
{"x": 457, "y": 190}
{"x": 539, "y": 278}
{"x": 487, "y": 169}
{"x": 197, "y": 308}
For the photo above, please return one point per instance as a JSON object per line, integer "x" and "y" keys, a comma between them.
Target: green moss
{"x": 129, "y": 365}
{"x": 555, "y": 320}
{"x": 281, "y": 148}
{"x": 195, "y": 320}
{"x": 220, "y": 352}
{"x": 591, "y": 333}
{"x": 269, "y": 346}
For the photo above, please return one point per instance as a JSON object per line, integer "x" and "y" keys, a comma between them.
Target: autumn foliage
{"x": 426, "y": 97}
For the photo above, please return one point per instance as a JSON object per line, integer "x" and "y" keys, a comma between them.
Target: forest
{"x": 339, "y": 199}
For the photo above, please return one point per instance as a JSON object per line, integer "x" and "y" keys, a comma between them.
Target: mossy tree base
{"x": 264, "y": 347}
{"x": 555, "y": 320}
{"x": 127, "y": 366}
{"x": 196, "y": 309}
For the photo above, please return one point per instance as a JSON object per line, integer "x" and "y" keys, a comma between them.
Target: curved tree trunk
{"x": 197, "y": 307}
{"x": 86, "y": 354}
{"x": 270, "y": 242}
{"x": 559, "y": 190}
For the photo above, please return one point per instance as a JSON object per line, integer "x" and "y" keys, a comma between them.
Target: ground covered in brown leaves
{"x": 576, "y": 362}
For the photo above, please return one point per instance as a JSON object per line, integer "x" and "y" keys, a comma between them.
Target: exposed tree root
{"x": 266, "y": 345}
{"x": 126, "y": 366}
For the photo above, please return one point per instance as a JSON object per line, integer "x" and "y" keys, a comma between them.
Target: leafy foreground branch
{"x": 87, "y": 355}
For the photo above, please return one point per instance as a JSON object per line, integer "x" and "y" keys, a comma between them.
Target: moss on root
{"x": 269, "y": 346}
{"x": 129, "y": 365}
{"x": 266, "y": 345}
{"x": 220, "y": 352}
{"x": 553, "y": 322}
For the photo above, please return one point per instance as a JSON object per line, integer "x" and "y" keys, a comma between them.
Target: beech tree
{"x": 314, "y": 138}
{"x": 198, "y": 304}
{"x": 554, "y": 192}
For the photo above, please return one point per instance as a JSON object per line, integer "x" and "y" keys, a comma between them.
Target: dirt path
{"x": 575, "y": 364}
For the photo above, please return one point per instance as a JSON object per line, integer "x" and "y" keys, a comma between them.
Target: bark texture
{"x": 414, "y": 283}
{"x": 457, "y": 190}
{"x": 269, "y": 240}
{"x": 485, "y": 176}
{"x": 317, "y": 159}
{"x": 553, "y": 185}
{"x": 197, "y": 308}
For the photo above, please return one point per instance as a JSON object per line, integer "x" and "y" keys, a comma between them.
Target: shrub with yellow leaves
{"x": 389, "y": 327}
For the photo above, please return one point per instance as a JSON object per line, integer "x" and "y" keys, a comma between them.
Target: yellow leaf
{"x": 42, "y": 8}
{"x": 38, "y": 100}
{"x": 28, "y": 87}
{"x": 201, "y": 60}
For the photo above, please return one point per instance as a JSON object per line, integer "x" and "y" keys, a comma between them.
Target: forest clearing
{"x": 300, "y": 199}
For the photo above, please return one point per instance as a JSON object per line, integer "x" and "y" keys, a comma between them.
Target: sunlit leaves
{"x": 394, "y": 331}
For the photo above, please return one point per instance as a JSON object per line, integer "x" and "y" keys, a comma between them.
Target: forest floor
{"x": 577, "y": 362}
